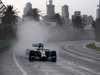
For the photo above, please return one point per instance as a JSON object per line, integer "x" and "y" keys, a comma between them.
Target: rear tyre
{"x": 31, "y": 55}
{"x": 54, "y": 56}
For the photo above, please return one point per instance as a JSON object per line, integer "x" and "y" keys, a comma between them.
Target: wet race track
{"x": 72, "y": 59}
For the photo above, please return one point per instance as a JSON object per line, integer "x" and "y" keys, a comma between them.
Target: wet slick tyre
{"x": 54, "y": 56}
{"x": 31, "y": 55}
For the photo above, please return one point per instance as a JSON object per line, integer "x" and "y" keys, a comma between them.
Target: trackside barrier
{"x": 4, "y": 44}
{"x": 70, "y": 39}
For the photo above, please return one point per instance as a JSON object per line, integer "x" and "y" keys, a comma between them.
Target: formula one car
{"x": 40, "y": 53}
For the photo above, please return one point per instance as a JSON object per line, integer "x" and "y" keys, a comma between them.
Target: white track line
{"x": 20, "y": 68}
{"x": 86, "y": 59}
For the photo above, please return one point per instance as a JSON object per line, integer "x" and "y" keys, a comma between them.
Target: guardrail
{"x": 7, "y": 33}
{"x": 5, "y": 44}
{"x": 70, "y": 39}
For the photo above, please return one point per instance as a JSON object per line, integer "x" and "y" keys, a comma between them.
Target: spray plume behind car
{"x": 28, "y": 33}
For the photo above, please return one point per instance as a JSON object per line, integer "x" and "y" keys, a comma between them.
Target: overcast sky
{"x": 85, "y": 6}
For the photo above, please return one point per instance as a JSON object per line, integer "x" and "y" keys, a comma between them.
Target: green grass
{"x": 93, "y": 47}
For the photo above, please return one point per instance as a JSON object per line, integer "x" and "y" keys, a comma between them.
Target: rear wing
{"x": 38, "y": 45}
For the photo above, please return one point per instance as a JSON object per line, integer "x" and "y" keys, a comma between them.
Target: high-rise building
{"x": 65, "y": 14}
{"x": 47, "y": 19}
{"x": 50, "y": 12}
{"x": 27, "y": 8}
{"x": 76, "y": 13}
{"x": 98, "y": 11}
{"x": 2, "y": 9}
{"x": 97, "y": 28}
{"x": 90, "y": 20}
{"x": 50, "y": 9}
{"x": 85, "y": 19}
{"x": 73, "y": 18}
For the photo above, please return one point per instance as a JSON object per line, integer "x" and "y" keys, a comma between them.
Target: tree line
{"x": 10, "y": 20}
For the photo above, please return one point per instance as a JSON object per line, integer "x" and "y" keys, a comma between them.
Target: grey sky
{"x": 85, "y": 6}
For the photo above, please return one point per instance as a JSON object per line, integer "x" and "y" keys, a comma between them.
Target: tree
{"x": 34, "y": 14}
{"x": 78, "y": 23}
{"x": 57, "y": 18}
{"x": 10, "y": 16}
{"x": 10, "y": 20}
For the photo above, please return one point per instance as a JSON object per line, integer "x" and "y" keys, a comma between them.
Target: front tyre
{"x": 31, "y": 55}
{"x": 54, "y": 56}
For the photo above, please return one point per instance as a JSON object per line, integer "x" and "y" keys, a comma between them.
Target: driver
{"x": 40, "y": 46}
{"x": 42, "y": 52}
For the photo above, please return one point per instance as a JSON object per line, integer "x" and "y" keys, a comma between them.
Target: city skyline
{"x": 87, "y": 7}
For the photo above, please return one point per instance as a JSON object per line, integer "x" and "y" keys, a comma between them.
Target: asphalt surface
{"x": 72, "y": 59}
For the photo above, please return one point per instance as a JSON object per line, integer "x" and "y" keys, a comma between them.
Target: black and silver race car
{"x": 41, "y": 54}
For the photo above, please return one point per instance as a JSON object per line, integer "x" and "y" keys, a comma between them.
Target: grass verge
{"x": 93, "y": 47}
